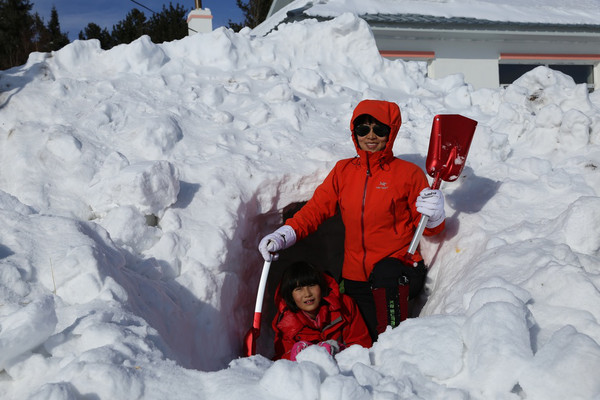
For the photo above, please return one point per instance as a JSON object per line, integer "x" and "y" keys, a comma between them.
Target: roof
{"x": 417, "y": 21}
{"x": 420, "y": 21}
{"x": 385, "y": 17}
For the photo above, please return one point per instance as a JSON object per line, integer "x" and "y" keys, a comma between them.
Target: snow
{"x": 575, "y": 12}
{"x": 136, "y": 183}
{"x": 543, "y": 11}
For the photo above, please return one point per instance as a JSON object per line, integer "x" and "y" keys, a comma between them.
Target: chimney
{"x": 199, "y": 20}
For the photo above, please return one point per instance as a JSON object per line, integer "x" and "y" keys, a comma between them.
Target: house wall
{"x": 480, "y": 73}
{"x": 477, "y": 54}
{"x": 475, "y": 60}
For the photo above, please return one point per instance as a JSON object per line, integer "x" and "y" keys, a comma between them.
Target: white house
{"x": 488, "y": 52}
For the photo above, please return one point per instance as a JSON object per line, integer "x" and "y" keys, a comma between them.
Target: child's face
{"x": 308, "y": 298}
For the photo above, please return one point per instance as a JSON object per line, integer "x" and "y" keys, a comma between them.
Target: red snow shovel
{"x": 254, "y": 332}
{"x": 451, "y": 136}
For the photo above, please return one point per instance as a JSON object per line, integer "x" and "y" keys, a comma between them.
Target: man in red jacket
{"x": 381, "y": 199}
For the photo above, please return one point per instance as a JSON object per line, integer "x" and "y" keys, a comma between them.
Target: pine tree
{"x": 22, "y": 33}
{"x": 16, "y": 32}
{"x": 168, "y": 25}
{"x": 93, "y": 31}
{"x": 255, "y": 12}
{"x": 131, "y": 28}
{"x": 58, "y": 39}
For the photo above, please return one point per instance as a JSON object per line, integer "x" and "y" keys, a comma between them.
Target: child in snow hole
{"x": 311, "y": 310}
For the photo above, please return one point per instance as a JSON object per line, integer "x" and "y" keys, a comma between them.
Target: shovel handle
{"x": 423, "y": 222}
{"x": 418, "y": 234}
{"x": 254, "y": 332}
{"x": 261, "y": 294}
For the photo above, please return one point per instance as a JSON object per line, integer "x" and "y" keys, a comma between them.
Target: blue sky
{"x": 74, "y": 15}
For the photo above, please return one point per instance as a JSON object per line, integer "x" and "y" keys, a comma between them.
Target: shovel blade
{"x": 449, "y": 143}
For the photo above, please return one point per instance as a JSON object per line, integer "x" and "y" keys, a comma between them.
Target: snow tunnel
{"x": 323, "y": 248}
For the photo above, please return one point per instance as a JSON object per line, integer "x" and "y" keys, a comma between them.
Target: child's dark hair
{"x": 300, "y": 274}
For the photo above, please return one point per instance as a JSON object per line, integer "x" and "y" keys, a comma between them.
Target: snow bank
{"x": 136, "y": 183}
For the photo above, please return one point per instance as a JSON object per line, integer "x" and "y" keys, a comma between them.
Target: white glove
{"x": 431, "y": 203}
{"x": 282, "y": 238}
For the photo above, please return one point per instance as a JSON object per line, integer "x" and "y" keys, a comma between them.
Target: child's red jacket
{"x": 338, "y": 319}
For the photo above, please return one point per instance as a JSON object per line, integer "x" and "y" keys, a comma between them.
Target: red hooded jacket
{"x": 376, "y": 195}
{"x": 338, "y": 319}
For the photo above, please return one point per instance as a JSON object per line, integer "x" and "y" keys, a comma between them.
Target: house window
{"x": 580, "y": 67}
{"x": 580, "y": 73}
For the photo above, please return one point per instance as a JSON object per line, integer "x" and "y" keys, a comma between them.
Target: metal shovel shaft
{"x": 254, "y": 332}
{"x": 261, "y": 290}
{"x": 418, "y": 235}
{"x": 412, "y": 249}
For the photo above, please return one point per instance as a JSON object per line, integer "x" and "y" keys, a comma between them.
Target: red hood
{"x": 385, "y": 112}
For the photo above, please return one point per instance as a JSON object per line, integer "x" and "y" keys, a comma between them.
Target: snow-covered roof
{"x": 426, "y": 21}
{"x": 503, "y": 15}
{"x": 420, "y": 21}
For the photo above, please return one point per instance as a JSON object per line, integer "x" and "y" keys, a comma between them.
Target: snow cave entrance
{"x": 323, "y": 248}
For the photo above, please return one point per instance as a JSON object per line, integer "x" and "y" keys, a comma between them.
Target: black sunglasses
{"x": 379, "y": 130}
